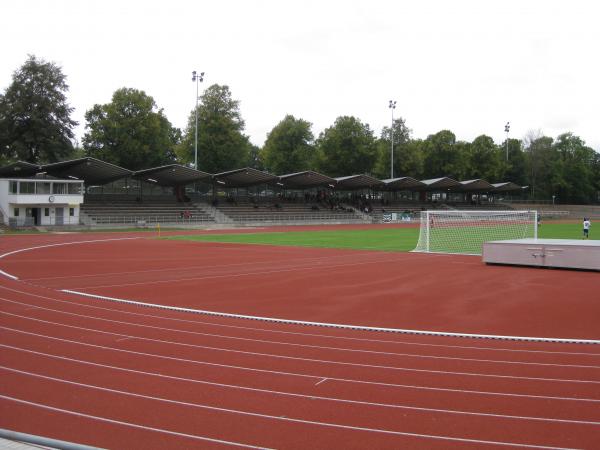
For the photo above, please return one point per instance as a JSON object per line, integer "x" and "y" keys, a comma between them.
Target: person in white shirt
{"x": 586, "y": 227}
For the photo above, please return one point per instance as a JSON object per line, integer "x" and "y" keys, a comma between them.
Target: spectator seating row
{"x": 246, "y": 210}
{"x": 123, "y": 211}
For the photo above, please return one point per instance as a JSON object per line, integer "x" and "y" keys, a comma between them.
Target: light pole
{"x": 197, "y": 78}
{"x": 507, "y": 129}
{"x": 392, "y": 106}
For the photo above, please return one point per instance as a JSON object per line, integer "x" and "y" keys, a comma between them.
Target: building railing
{"x": 17, "y": 222}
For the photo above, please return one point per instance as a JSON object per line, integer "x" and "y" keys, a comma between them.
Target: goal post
{"x": 464, "y": 232}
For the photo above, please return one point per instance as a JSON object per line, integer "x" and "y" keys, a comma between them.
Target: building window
{"x": 75, "y": 188}
{"x": 26, "y": 187}
{"x": 42, "y": 188}
{"x": 60, "y": 188}
{"x": 71, "y": 212}
{"x": 46, "y": 212}
{"x": 16, "y": 212}
{"x": 13, "y": 189}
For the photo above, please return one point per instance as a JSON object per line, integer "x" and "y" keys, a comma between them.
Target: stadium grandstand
{"x": 90, "y": 193}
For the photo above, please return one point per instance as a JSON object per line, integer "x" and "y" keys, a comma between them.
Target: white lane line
{"x": 305, "y": 261}
{"x": 239, "y": 274}
{"x": 336, "y": 325}
{"x": 8, "y": 275}
{"x": 293, "y": 333}
{"x": 279, "y": 418}
{"x": 302, "y": 396}
{"x": 301, "y": 375}
{"x": 309, "y": 360}
{"x": 297, "y": 358}
{"x": 3, "y": 255}
{"x": 312, "y": 346}
{"x": 127, "y": 424}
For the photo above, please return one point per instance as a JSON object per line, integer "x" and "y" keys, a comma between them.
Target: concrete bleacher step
{"x": 127, "y": 211}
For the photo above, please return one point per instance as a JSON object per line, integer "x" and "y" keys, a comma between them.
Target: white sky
{"x": 467, "y": 66}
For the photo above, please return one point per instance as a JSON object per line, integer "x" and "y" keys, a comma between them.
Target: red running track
{"x": 121, "y": 376}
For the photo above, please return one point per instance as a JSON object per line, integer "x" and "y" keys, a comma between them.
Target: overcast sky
{"x": 466, "y": 66}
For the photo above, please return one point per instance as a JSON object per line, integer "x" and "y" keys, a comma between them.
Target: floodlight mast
{"x": 392, "y": 106}
{"x": 507, "y": 129}
{"x": 197, "y": 78}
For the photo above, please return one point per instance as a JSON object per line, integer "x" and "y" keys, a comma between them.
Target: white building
{"x": 40, "y": 201}
{"x": 50, "y": 194}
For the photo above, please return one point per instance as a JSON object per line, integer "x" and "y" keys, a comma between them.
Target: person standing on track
{"x": 586, "y": 227}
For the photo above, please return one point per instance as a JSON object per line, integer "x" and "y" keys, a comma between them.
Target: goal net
{"x": 464, "y": 232}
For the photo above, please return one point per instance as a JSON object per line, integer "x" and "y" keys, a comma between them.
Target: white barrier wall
{"x": 562, "y": 253}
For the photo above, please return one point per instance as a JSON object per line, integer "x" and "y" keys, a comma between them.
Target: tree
{"x": 289, "y": 146}
{"x": 514, "y": 169}
{"x": 441, "y": 157}
{"x": 35, "y": 122}
{"x": 221, "y": 144}
{"x": 407, "y": 160}
{"x": 485, "y": 159}
{"x": 254, "y": 158}
{"x": 542, "y": 165}
{"x": 348, "y": 147}
{"x": 578, "y": 180}
{"x": 130, "y": 132}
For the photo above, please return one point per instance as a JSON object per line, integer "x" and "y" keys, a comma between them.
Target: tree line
{"x": 133, "y": 132}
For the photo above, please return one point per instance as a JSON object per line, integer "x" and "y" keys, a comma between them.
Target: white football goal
{"x": 464, "y": 232}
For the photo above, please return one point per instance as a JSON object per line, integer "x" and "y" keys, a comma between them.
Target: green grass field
{"x": 384, "y": 239}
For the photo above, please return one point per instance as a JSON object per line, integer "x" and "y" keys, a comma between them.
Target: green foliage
{"x": 221, "y": 144}
{"x": 485, "y": 159}
{"x": 540, "y": 160}
{"x": 35, "y": 123}
{"x": 346, "y": 148}
{"x": 130, "y": 132}
{"x": 440, "y": 155}
{"x": 578, "y": 179}
{"x": 289, "y": 147}
{"x": 255, "y": 160}
{"x": 515, "y": 169}
{"x": 407, "y": 154}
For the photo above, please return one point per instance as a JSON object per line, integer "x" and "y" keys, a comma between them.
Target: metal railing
{"x": 17, "y": 222}
{"x": 42, "y": 441}
{"x": 294, "y": 217}
{"x": 144, "y": 220}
